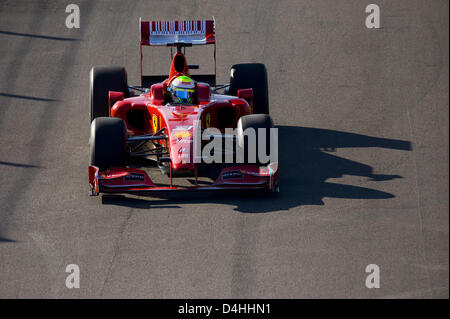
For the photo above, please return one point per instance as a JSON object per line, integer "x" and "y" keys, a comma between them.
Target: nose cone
{"x": 183, "y": 123}
{"x": 182, "y": 146}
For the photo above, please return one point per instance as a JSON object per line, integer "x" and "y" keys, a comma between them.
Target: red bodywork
{"x": 148, "y": 113}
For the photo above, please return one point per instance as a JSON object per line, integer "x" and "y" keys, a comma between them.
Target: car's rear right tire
{"x": 102, "y": 80}
{"x": 108, "y": 142}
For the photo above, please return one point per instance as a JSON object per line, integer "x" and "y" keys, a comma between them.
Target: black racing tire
{"x": 104, "y": 79}
{"x": 251, "y": 75}
{"x": 108, "y": 142}
{"x": 254, "y": 121}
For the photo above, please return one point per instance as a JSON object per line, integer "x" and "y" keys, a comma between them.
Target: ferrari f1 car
{"x": 138, "y": 128}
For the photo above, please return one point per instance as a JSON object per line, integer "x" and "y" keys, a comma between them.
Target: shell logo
{"x": 182, "y": 134}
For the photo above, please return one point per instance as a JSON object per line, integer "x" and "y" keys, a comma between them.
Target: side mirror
{"x": 114, "y": 97}
{"x": 246, "y": 94}
{"x": 203, "y": 93}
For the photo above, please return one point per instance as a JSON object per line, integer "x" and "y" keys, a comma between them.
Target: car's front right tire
{"x": 107, "y": 142}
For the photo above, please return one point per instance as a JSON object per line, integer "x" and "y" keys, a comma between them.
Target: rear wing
{"x": 177, "y": 34}
{"x": 168, "y": 33}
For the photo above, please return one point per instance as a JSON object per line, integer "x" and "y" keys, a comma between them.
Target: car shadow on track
{"x": 305, "y": 165}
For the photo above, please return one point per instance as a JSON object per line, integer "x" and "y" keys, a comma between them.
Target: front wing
{"x": 131, "y": 180}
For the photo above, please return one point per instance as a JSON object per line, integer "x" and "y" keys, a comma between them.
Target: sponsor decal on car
{"x": 231, "y": 175}
{"x": 182, "y": 134}
{"x": 155, "y": 122}
{"x": 183, "y": 128}
{"x": 135, "y": 177}
{"x": 208, "y": 120}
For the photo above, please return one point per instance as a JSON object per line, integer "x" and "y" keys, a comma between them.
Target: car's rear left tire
{"x": 254, "y": 76}
{"x": 108, "y": 142}
{"x": 102, "y": 80}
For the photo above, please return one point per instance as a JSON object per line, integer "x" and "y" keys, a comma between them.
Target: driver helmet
{"x": 182, "y": 90}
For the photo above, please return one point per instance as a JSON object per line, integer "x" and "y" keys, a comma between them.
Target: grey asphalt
{"x": 363, "y": 125}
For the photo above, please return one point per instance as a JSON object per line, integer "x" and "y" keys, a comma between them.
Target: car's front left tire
{"x": 249, "y": 147}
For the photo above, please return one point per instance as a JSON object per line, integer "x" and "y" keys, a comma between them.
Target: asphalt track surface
{"x": 363, "y": 125}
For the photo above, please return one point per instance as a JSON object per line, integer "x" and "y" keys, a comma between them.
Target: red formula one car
{"x": 131, "y": 133}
